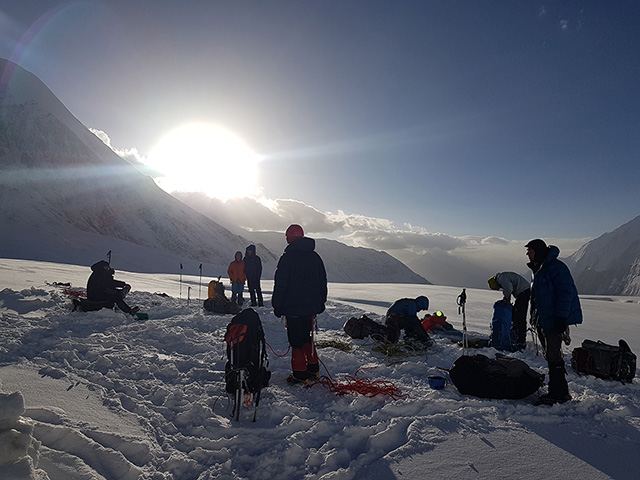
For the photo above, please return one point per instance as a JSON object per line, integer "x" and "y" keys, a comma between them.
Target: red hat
{"x": 293, "y": 232}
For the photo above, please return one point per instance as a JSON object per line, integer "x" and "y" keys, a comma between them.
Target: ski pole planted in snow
{"x": 181, "y": 281}
{"x": 462, "y": 300}
{"x": 200, "y": 284}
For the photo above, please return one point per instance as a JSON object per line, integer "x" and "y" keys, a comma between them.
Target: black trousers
{"x": 255, "y": 292}
{"x": 519, "y": 319}
{"x": 551, "y": 342}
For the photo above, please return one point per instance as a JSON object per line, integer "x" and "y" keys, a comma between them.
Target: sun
{"x": 201, "y": 157}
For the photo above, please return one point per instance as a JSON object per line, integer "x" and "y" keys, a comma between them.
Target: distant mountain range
{"x": 609, "y": 264}
{"x": 67, "y": 197}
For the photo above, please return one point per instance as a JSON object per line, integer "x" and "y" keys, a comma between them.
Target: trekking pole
{"x": 534, "y": 339}
{"x": 188, "y": 295}
{"x": 180, "y": 281}
{"x": 109, "y": 256}
{"x": 200, "y": 284}
{"x": 314, "y": 326}
{"x": 461, "y": 301}
{"x": 263, "y": 356}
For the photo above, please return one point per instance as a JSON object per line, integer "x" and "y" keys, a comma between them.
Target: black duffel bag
{"x": 502, "y": 378}
{"x": 609, "y": 362}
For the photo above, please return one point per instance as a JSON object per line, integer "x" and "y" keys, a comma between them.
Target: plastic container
{"x": 436, "y": 382}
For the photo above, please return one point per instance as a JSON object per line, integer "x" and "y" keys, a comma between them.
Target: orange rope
{"x": 274, "y": 352}
{"x": 363, "y": 386}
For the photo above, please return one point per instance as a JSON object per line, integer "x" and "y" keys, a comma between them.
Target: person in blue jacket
{"x": 554, "y": 306}
{"x": 403, "y": 315}
{"x": 299, "y": 294}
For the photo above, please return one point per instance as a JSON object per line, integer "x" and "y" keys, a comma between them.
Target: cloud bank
{"x": 439, "y": 257}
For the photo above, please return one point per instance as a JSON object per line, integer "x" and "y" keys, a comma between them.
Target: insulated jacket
{"x": 300, "y": 281}
{"x": 554, "y": 297}
{"x": 101, "y": 285}
{"x": 512, "y": 284}
{"x": 252, "y": 266}
{"x": 236, "y": 271}
{"x": 404, "y": 306}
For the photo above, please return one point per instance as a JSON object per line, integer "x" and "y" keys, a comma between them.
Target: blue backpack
{"x": 502, "y": 336}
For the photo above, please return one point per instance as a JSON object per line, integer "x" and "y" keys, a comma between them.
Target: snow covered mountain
{"x": 67, "y": 197}
{"x": 609, "y": 264}
{"x": 348, "y": 263}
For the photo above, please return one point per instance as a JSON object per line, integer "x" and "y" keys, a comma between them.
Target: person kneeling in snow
{"x": 102, "y": 287}
{"x": 403, "y": 315}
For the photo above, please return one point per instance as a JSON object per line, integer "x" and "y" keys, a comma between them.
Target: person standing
{"x": 253, "y": 270}
{"x": 237, "y": 277}
{"x": 554, "y": 306}
{"x": 299, "y": 294}
{"x": 517, "y": 286}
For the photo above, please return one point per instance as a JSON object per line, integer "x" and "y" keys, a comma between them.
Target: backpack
{"x": 502, "y": 378}
{"x": 221, "y": 304}
{"x": 216, "y": 287}
{"x": 246, "y": 352}
{"x": 503, "y": 337}
{"x": 364, "y": 327}
{"x": 609, "y": 362}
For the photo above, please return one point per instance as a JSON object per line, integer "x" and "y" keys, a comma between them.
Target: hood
{"x": 554, "y": 252}
{"x": 99, "y": 266}
{"x": 303, "y": 244}
{"x": 250, "y": 248}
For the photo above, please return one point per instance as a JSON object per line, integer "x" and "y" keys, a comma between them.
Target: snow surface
{"x": 102, "y": 396}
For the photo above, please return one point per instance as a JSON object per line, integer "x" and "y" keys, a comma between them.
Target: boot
{"x": 313, "y": 371}
{"x": 558, "y": 387}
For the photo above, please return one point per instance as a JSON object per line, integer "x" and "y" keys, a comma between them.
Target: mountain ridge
{"x": 66, "y": 196}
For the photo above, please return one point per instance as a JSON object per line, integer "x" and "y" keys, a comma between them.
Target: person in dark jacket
{"x": 102, "y": 287}
{"x": 554, "y": 306}
{"x": 299, "y": 294}
{"x": 253, "y": 271}
{"x": 403, "y": 315}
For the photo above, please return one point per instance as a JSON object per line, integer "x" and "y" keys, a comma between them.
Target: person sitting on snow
{"x": 102, "y": 287}
{"x": 403, "y": 315}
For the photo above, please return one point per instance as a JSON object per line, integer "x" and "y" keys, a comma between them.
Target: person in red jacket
{"x": 237, "y": 277}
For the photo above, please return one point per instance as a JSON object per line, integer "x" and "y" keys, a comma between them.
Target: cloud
{"x": 353, "y": 229}
{"x": 129, "y": 154}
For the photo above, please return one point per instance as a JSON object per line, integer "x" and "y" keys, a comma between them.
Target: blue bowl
{"x": 436, "y": 382}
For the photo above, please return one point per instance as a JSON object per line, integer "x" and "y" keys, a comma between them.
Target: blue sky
{"x": 515, "y": 119}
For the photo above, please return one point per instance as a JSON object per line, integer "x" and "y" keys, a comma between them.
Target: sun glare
{"x": 205, "y": 158}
